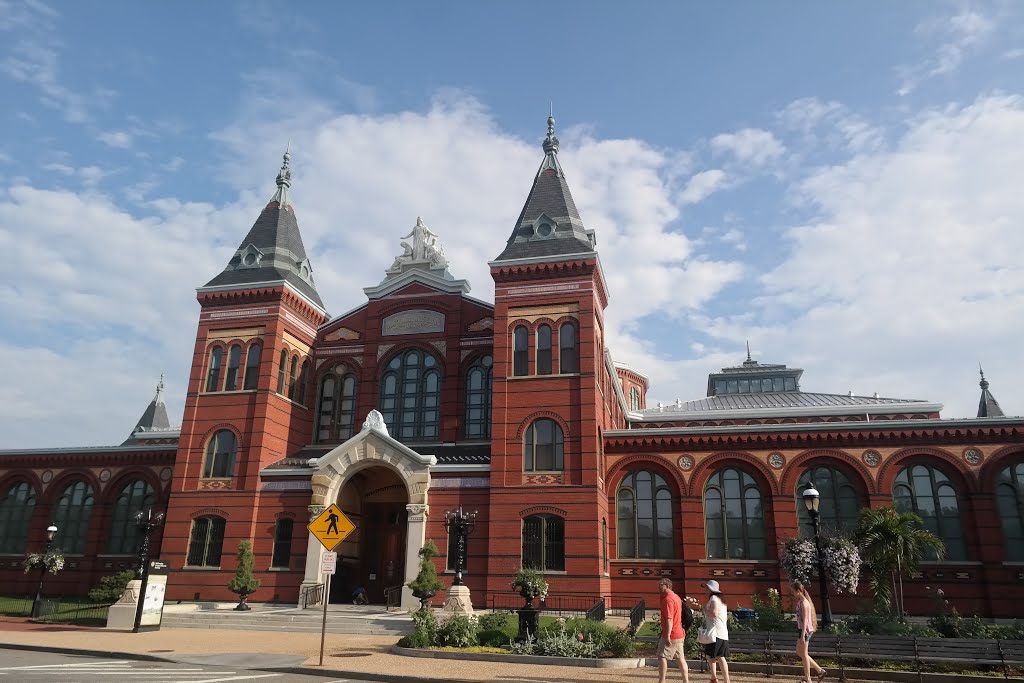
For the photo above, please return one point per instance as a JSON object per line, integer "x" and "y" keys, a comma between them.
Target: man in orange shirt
{"x": 671, "y": 645}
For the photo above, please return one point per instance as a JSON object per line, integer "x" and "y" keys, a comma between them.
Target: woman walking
{"x": 806, "y": 618}
{"x": 714, "y": 634}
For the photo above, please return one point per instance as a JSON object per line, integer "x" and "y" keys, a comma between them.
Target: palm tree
{"x": 893, "y": 543}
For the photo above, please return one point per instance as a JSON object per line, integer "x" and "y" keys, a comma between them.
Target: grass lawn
{"x": 78, "y": 610}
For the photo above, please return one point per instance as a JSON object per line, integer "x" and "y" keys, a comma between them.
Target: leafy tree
{"x": 244, "y": 582}
{"x": 426, "y": 583}
{"x": 892, "y": 545}
{"x": 112, "y": 587}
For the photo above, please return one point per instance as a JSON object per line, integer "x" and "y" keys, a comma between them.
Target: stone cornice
{"x": 258, "y": 292}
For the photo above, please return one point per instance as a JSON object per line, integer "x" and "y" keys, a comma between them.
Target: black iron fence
{"x": 57, "y": 610}
{"x": 313, "y": 595}
{"x": 16, "y": 605}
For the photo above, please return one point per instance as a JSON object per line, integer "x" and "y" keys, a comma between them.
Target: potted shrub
{"x": 531, "y": 585}
{"x": 426, "y": 584}
{"x": 244, "y": 582}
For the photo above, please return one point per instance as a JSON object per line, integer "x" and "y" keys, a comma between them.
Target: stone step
{"x": 311, "y": 622}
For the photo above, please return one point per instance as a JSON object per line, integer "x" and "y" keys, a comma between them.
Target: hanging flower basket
{"x": 531, "y": 585}
{"x": 51, "y": 562}
{"x": 839, "y": 556}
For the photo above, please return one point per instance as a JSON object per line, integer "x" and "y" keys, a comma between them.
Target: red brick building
{"x": 516, "y": 410}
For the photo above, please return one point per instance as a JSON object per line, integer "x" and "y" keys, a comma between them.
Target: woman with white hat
{"x": 714, "y": 634}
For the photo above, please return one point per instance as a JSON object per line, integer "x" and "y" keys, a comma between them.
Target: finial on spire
{"x": 284, "y": 176}
{"x": 748, "y": 350}
{"x": 551, "y": 141}
{"x": 159, "y": 389}
{"x": 984, "y": 382}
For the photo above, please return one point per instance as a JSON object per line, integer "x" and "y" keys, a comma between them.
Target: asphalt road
{"x": 19, "y": 665}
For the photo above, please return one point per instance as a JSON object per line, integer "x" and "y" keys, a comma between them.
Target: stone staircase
{"x": 348, "y": 619}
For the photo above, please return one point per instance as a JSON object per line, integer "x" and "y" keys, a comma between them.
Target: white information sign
{"x": 329, "y": 563}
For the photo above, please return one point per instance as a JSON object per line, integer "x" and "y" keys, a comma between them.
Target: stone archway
{"x": 373, "y": 448}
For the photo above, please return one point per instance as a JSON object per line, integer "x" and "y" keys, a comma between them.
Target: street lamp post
{"x": 145, "y": 522}
{"x": 461, "y": 524}
{"x": 811, "y": 501}
{"x": 37, "y": 604}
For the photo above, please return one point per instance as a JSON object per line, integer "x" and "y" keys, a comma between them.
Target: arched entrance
{"x": 373, "y": 556}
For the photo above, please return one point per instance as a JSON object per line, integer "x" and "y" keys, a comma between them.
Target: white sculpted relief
{"x": 425, "y": 248}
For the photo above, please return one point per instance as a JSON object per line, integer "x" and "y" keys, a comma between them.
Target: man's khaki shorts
{"x": 673, "y": 649}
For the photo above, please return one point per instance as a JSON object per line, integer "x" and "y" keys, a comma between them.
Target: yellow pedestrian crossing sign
{"x": 331, "y": 527}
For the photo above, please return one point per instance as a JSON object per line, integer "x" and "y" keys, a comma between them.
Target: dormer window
{"x": 543, "y": 228}
{"x": 250, "y": 257}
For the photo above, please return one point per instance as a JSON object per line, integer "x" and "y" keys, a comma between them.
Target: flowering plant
{"x": 530, "y": 584}
{"x": 52, "y": 561}
{"x": 839, "y": 557}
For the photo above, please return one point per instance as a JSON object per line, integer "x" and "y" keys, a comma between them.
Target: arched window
{"x": 930, "y": 495}
{"x": 543, "y": 447}
{"x": 410, "y": 396}
{"x": 838, "y": 505}
{"x": 337, "y": 412}
{"x": 1010, "y": 498}
{"x": 520, "y": 357}
{"x": 734, "y": 517}
{"x": 252, "y": 367}
{"x": 71, "y": 516}
{"x": 604, "y": 546}
{"x": 220, "y": 455}
{"x": 16, "y": 507}
{"x": 282, "y": 371}
{"x": 234, "y": 362}
{"x": 543, "y": 350}
{"x": 544, "y": 543}
{"x": 645, "y": 528}
{"x": 213, "y": 370}
{"x": 634, "y": 399}
{"x": 478, "y": 398}
{"x": 567, "y": 348}
{"x": 133, "y": 498}
{"x": 300, "y": 395}
{"x": 293, "y": 376}
{"x": 282, "y": 543}
{"x": 205, "y": 542}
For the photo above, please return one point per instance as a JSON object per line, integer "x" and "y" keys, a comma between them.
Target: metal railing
{"x": 637, "y": 616}
{"x": 57, "y": 610}
{"x": 313, "y": 595}
{"x": 561, "y": 605}
{"x": 16, "y": 605}
{"x": 596, "y": 613}
{"x": 393, "y": 598}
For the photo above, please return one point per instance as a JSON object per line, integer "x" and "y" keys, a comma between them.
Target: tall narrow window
{"x": 928, "y": 493}
{"x": 71, "y": 516}
{"x": 645, "y": 525}
{"x": 1010, "y": 500}
{"x": 300, "y": 395}
{"x": 543, "y": 350}
{"x": 567, "y": 348}
{"x": 478, "y": 398}
{"x": 337, "y": 411}
{"x": 838, "y": 505}
{"x": 220, "y": 455}
{"x": 133, "y": 498}
{"x": 543, "y": 446}
{"x": 282, "y": 543}
{"x": 252, "y": 367}
{"x": 634, "y": 399}
{"x": 604, "y": 545}
{"x": 206, "y": 541}
{"x": 16, "y": 508}
{"x": 213, "y": 371}
{"x": 734, "y": 517}
{"x": 544, "y": 543}
{"x": 520, "y": 356}
{"x": 410, "y": 396}
{"x": 293, "y": 376}
{"x": 282, "y": 371}
{"x": 234, "y": 362}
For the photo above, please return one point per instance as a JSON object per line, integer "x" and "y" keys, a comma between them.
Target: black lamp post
{"x": 146, "y": 522}
{"x": 811, "y": 500}
{"x": 461, "y": 524}
{"x": 37, "y": 604}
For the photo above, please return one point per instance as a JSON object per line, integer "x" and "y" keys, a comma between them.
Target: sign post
{"x": 330, "y": 527}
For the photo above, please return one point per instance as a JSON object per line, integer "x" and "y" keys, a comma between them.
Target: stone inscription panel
{"x": 413, "y": 322}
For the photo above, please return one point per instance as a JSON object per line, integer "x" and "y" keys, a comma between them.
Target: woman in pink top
{"x": 806, "y": 618}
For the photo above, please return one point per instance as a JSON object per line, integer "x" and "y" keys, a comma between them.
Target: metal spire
{"x": 984, "y": 382}
{"x": 748, "y": 350}
{"x": 284, "y": 178}
{"x": 551, "y": 141}
{"x": 159, "y": 390}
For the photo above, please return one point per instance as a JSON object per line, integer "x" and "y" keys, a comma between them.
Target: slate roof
{"x": 272, "y": 251}
{"x": 549, "y": 198}
{"x": 154, "y": 418}
{"x": 988, "y": 406}
{"x": 447, "y": 454}
{"x": 782, "y": 399}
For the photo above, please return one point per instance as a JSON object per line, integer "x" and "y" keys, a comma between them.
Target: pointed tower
{"x": 988, "y": 406}
{"x": 154, "y": 422}
{"x": 249, "y": 404}
{"x": 551, "y": 391}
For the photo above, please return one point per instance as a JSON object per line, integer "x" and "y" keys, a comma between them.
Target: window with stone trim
{"x": 282, "y": 371}
{"x": 478, "y": 398}
{"x": 567, "y": 349}
{"x": 213, "y": 369}
{"x": 205, "y": 542}
{"x": 282, "y": 555}
{"x": 337, "y": 405}
{"x": 544, "y": 447}
{"x": 293, "y": 377}
{"x": 252, "y": 367}
{"x": 544, "y": 350}
{"x": 221, "y": 450}
{"x": 634, "y": 399}
{"x": 644, "y": 517}
{"x": 1010, "y": 502}
{"x": 520, "y": 351}
{"x": 734, "y": 517}
{"x": 838, "y": 504}
{"x": 234, "y": 363}
{"x": 16, "y": 508}
{"x": 300, "y": 393}
{"x": 134, "y": 497}
{"x": 71, "y": 516}
{"x": 410, "y": 396}
{"x": 544, "y": 543}
{"x": 928, "y": 493}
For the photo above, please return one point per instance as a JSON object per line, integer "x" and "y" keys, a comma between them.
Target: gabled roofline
{"x": 392, "y": 284}
{"x": 265, "y": 283}
{"x": 671, "y": 415}
{"x": 872, "y": 425}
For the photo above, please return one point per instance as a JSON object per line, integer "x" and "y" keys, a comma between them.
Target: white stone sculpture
{"x": 375, "y": 421}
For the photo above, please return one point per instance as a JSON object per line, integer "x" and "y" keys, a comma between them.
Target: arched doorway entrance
{"x": 373, "y": 556}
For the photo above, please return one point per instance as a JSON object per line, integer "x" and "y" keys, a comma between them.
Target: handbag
{"x": 706, "y": 635}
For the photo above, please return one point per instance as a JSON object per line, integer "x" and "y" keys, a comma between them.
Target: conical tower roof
{"x": 272, "y": 252}
{"x": 549, "y": 224}
{"x": 154, "y": 418}
{"x": 988, "y": 406}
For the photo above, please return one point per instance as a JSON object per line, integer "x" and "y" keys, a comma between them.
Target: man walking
{"x": 672, "y": 643}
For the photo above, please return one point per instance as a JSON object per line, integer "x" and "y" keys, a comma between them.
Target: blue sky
{"x": 837, "y": 182}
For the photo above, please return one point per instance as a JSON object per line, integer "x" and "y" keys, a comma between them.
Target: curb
{"x": 85, "y": 652}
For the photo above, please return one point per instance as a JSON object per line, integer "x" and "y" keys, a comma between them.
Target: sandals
{"x": 821, "y": 676}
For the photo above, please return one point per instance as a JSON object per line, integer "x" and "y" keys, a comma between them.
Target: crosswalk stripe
{"x": 64, "y": 666}
{"x": 231, "y": 678}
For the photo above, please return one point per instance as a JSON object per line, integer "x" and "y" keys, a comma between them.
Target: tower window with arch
{"x": 282, "y": 371}
{"x": 16, "y": 508}
{"x": 72, "y": 514}
{"x": 644, "y": 514}
{"x": 133, "y": 498}
{"x": 567, "y": 349}
{"x": 205, "y": 542}
{"x": 1010, "y": 501}
{"x": 410, "y": 396}
{"x": 478, "y": 398}
{"x": 544, "y": 350}
{"x": 234, "y": 363}
{"x": 300, "y": 392}
{"x": 213, "y": 369}
{"x": 544, "y": 543}
{"x": 929, "y": 493}
{"x": 293, "y": 378}
{"x": 734, "y": 517}
{"x": 520, "y": 352}
{"x": 252, "y": 367}
{"x": 220, "y": 455}
{"x": 634, "y": 399}
{"x": 544, "y": 447}
{"x": 336, "y": 414}
{"x": 282, "y": 554}
{"x": 839, "y": 501}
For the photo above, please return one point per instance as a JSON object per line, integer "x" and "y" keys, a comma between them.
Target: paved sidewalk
{"x": 346, "y": 656}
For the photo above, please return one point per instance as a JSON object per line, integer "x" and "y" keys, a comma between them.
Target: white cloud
{"x": 960, "y": 34}
{"x": 702, "y": 185}
{"x": 119, "y": 139}
{"x": 749, "y": 146}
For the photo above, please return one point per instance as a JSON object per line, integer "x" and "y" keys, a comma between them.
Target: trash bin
{"x": 744, "y": 613}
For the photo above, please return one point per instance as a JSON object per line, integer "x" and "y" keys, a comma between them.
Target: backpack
{"x": 686, "y": 615}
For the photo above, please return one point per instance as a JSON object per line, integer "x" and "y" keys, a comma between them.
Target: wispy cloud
{"x": 750, "y": 146}
{"x": 957, "y": 37}
{"x": 119, "y": 139}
